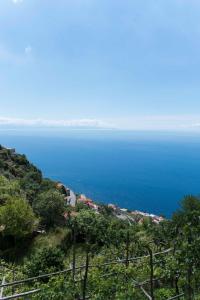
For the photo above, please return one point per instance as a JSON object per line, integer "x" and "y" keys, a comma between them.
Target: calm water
{"x": 145, "y": 171}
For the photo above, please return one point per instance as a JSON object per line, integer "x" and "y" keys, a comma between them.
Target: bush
{"x": 44, "y": 261}
{"x": 17, "y": 218}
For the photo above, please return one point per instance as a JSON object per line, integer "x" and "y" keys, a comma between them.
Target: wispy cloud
{"x": 28, "y": 50}
{"x": 17, "y": 1}
{"x": 195, "y": 125}
{"x": 161, "y": 122}
{"x": 77, "y": 123}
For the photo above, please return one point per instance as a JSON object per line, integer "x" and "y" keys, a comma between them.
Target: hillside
{"x": 98, "y": 251}
{"x": 15, "y": 166}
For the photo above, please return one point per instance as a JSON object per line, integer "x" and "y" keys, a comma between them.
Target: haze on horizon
{"x": 100, "y": 64}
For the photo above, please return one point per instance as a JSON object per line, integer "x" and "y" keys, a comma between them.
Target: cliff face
{"x": 15, "y": 166}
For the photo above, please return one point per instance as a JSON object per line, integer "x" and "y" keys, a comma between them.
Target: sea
{"x": 146, "y": 171}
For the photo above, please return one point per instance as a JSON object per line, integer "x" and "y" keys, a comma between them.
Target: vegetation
{"x": 50, "y": 207}
{"x": 17, "y": 218}
{"x": 99, "y": 256}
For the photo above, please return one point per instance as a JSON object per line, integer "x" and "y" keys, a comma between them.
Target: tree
{"x": 187, "y": 241}
{"x": 9, "y": 189}
{"x": 17, "y": 218}
{"x": 92, "y": 227}
{"x": 50, "y": 207}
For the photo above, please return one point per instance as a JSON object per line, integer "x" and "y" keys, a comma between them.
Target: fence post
{"x": 86, "y": 272}
{"x": 151, "y": 272}
{"x": 1, "y": 291}
{"x": 127, "y": 248}
{"x": 74, "y": 254}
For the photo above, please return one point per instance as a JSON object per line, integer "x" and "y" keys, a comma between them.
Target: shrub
{"x": 44, "y": 261}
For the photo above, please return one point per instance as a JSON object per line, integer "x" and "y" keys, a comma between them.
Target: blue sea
{"x": 146, "y": 171}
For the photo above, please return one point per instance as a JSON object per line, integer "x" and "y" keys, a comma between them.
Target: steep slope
{"x": 16, "y": 166}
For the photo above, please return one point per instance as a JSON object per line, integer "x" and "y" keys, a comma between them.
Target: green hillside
{"x": 107, "y": 253}
{"x": 15, "y": 166}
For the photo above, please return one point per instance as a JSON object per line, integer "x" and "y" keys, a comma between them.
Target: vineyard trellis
{"x": 86, "y": 268}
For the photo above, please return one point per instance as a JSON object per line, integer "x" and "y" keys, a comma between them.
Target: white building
{"x": 70, "y": 197}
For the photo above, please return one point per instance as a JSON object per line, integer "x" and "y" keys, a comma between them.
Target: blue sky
{"x": 115, "y": 63}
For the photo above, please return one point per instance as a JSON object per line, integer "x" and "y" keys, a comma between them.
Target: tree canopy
{"x": 17, "y": 218}
{"x": 50, "y": 207}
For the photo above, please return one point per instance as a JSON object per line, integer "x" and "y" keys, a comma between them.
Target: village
{"x": 134, "y": 216}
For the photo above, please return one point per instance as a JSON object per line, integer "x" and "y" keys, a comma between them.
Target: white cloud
{"x": 79, "y": 123}
{"x": 148, "y": 122}
{"x": 161, "y": 122}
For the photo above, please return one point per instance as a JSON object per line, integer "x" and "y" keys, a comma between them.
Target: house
{"x": 112, "y": 206}
{"x": 82, "y": 198}
{"x": 92, "y": 205}
{"x": 70, "y": 196}
{"x": 124, "y": 209}
{"x": 11, "y": 150}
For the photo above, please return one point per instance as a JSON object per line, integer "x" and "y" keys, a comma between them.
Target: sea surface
{"x": 146, "y": 171}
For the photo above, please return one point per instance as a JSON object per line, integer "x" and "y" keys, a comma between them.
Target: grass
{"x": 53, "y": 238}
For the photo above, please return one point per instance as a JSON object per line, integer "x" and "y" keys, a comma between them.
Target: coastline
{"x": 134, "y": 216}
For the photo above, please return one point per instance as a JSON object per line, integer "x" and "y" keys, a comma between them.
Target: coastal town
{"x": 133, "y": 216}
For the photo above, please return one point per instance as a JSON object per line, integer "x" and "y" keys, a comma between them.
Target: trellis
{"x": 85, "y": 268}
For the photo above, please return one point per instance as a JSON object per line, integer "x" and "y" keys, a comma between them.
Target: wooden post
{"x": 189, "y": 284}
{"x": 189, "y": 276}
{"x": 13, "y": 279}
{"x": 151, "y": 272}
{"x": 176, "y": 284}
{"x": 1, "y": 291}
{"x": 127, "y": 248}
{"x": 86, "y": 272}
{"x": 74, "y": 254}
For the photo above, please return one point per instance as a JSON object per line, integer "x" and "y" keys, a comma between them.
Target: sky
{"x": 127, "y": 64}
